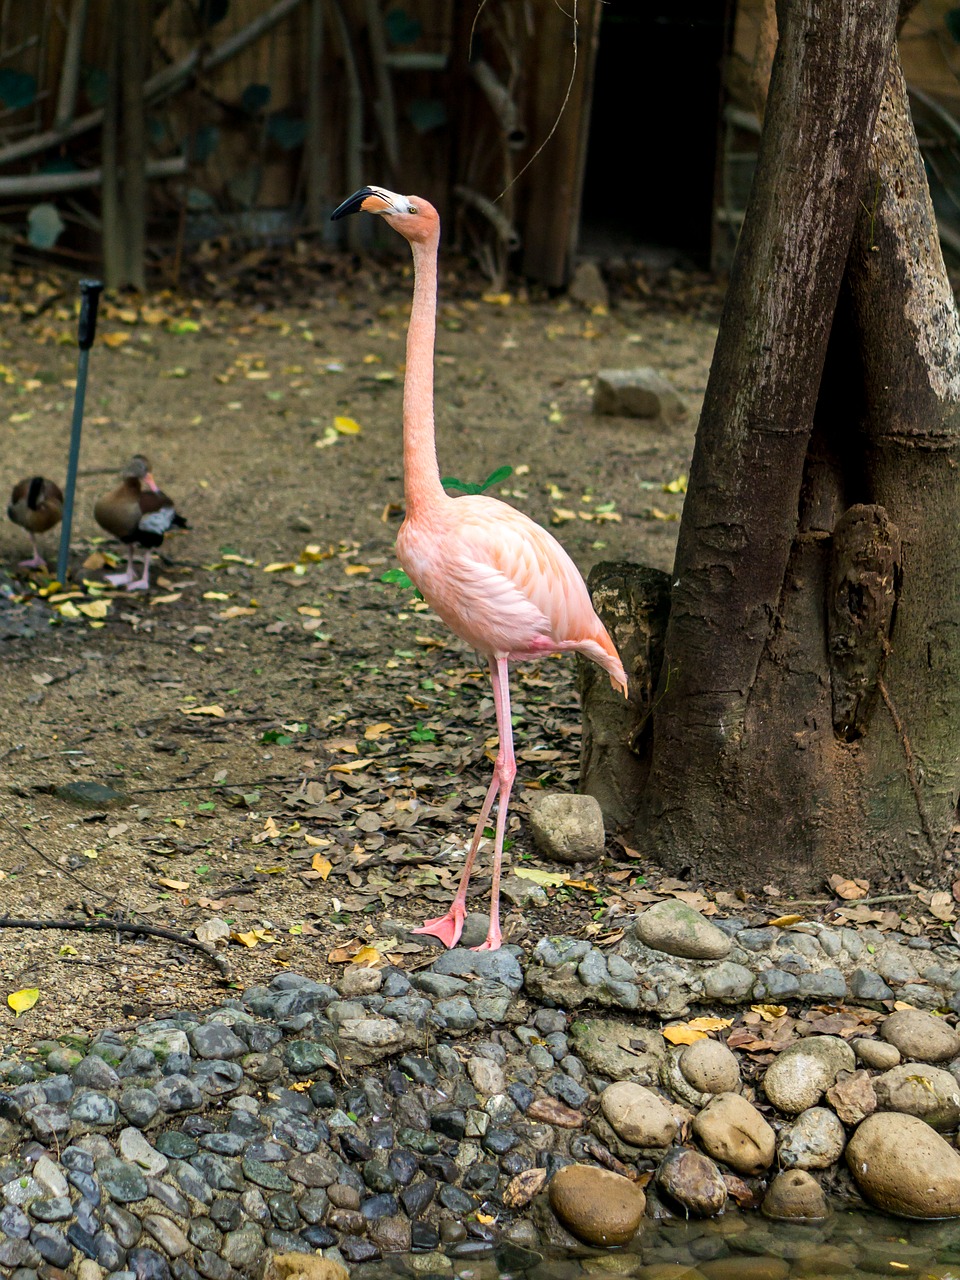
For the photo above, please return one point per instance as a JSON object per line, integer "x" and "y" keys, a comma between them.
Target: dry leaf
{"x": 769, "y": 1012}
{"x": 521, "y": 1189}
{"x": 235, "y": 611}
{"x": 545, "y": 878}
{"x": 212, "y": 710}
{"x": 941, "y": 905}
{"x": 783, "y": 922}
{"x": 849, "y": 889}
{"x": 368, "y": 956}
{"x": 323, "y": 866}
{"x": 682, "y": 1033}
{"x": 179, "y": 885}
{"x": 347, "y": 426}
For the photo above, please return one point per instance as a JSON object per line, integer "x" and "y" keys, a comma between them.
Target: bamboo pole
{"x": 314, "y": 160}
{"x": 70, "y": 71}
{"x": 41, "y": 184}
{"x": 135, "y": 18}
{"x": 113, "y": 245}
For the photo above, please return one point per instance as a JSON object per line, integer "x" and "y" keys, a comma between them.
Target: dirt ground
{"x": 298, "y": 746}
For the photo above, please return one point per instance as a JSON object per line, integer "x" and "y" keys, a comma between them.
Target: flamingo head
{"x": 415, "y": 218}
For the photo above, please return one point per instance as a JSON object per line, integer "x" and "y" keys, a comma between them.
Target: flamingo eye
{"x": 411, "y": 208}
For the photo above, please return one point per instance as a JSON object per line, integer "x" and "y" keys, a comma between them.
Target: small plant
{"x": 463, "y": 486}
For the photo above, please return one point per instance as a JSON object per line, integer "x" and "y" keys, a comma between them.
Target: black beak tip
{"x": 351, "y": 204}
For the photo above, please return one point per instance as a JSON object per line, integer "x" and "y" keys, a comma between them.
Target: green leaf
{"x": 397, "y": 576}
{"x": 286, "y": 131}
{"x": 497, "y": 477}
{"x": 255, "y": 97}
{"x": 401, "y": 28}
{"x": 44, "y": 226}
{"x": 207, "y": 806}
{"x": 422, "y": 734}
{"x": 275, "y": 735}
{"x": 17, "y": 88}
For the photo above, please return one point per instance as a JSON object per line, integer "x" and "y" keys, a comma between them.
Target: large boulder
{"x": 799, "y": 1075}
{"x": 638, "y": 1115}
{"x": 732, "y": 1130}
{"x": 595, "y": 1205}
{"x": 902, "y": 1166}
{"x": 930, "y": 1093}
{"x": 921, "y": 1036}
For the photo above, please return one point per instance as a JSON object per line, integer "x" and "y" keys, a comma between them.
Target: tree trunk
{"x": 767, "y": 754}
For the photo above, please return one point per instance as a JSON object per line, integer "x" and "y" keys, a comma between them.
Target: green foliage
{"x": 17, "y": 88}
{"x": 422, "y": 734}
{"x": 255, "y": 98}
{"x": 463, "y": 486}
{"x": 277, "y": 737}
{"x": 286, "y": 131}
{"x": 401, "y": 28}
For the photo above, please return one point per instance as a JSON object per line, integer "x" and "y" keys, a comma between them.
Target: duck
{"x": 36, "y": 504}
{"x": 139, "y": 514}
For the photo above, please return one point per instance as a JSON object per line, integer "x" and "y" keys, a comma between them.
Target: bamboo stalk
{"x": 70, "y": 71}
{"x": 134, "y": 24}
{"x": 41, "y": 184}
{"x": 113, "y": 242}
{"x": 314, "y": 160}
{"x": 384, "y": 105}
{"x": 353, "y": 143}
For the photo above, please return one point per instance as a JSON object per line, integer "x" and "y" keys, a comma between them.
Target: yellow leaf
{"x": 21, "y": 1001}
{"x": 368, "y": 956}
{"x": 782, "y": 922}
{"x": 561, "y": 514}
{"x": 676, "y": 486}
{"x": 545, "y": 878}
{"x": 710, "y": 1024}
{"x": 270, "y": 871}
{"x": 374, "y": 731}
{"x": 212, "y": 710}
{"x": 657, "y": 514}
{"x": 309, "y": 611}
{"x": 68, "y": 609}
{"x": 313, "y": 553}
{"x": 581, "y": 884}
{"x": 498, "y": 299}
{"x": 682, "y": 1034}
{"x": 318, "y": 842}
{"x": 174, "y": 595}
{"x": 115, "y": 339}
{"x": 235, "y": 611}
{"x": 346, "y": 426}
{"x": 67, "y": 950}
{"x": 276, "y": 567}
{"x": 769, "y": 1012}
{"x": 179, "y": 885}
{"x": 247, "y": 939}
{"x": 216, "y": 595}
{"x": 485, "y": 1218}
{"x": 349, "y": 766}
{"x": 351, "y": 570}
{"x": 321, "y": 865}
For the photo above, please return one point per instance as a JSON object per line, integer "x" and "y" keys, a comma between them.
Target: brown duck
{"x": 36, "y": 505}
{"x": 138, "y": 513}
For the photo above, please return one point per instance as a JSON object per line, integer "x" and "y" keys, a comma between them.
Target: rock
{"x": 303, "y": 1266}
{"x": 637, "y": 393}
{"x": 732, "y": 1130}
{"x": 588, "y": 287}
{"x": 853, "y": 1097}
{"x": 598, "y": 1207}
{"x": 91, "y": 795}
{"x": 921, "y": 1036}
{"x": 902, "y": 1166}
{"x": 798, "y": 1076}
{"x": 212, "y": 931}
{"x": 366, "y": 1040}
{"x": 815, "y": 1140}
{"x": 710, "y": 1067}
{"x": 875, "y": 1053}
{"x": 638, "y": 1115}
{"x": 930, "y": 1093}
{"x": 553, "y": 1111}
{"x": 619, "y": 1050}
{"x": 795, "y": 1195}
{"x": 566, "y": 827}
{"x": 360, "y": 980}
{"x": 134, "y": 1147}
{"x": 124, "y": 1181}
{"x": 693, "y": 1181}
{"x": 486, "y": 1076}
{"x": 679, "y": 930}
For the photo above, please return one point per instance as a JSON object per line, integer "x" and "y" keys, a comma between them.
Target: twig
{"x": 124, "y": 926}
{"x": 506, "y": 232}
{"x": 837, "y": 902}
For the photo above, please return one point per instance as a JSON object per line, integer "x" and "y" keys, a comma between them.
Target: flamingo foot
{"x": 119, "y": 579}
{"x": 493, "y": 940}
{"x": 35, "y": 562}
{"x": 447, "y": 928}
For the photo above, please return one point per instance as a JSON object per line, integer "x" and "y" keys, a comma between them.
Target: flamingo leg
{"x": 449, "y": 927}
{"x": 121, "y": 579}
{"x": 36, "y": 561}
{"x": 143, "y": 582}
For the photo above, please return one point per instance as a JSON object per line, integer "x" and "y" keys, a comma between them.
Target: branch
{"x": 504, "y": 228}
{"x": 37, "y": 184}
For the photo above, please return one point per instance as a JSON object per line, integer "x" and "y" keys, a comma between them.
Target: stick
{"x": 86, "y": 330}
{"x": 36, "y": 184}
{"x": 123, "y": 926}
{"x": 70, "y": 73}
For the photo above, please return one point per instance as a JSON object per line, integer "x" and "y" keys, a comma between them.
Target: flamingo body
{"x": 502, "y": 583}
{"x": 495, "y": 577}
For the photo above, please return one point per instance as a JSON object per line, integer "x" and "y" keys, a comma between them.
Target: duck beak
{"x": 151, "y": 484}
{"x": 369, "y": 199}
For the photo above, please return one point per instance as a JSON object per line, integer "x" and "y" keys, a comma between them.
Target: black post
{"x": 90, "y": 291}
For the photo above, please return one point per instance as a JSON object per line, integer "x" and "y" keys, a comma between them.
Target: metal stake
{"x": 90, "y": 291}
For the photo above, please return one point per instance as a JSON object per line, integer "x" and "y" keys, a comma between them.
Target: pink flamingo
{"x": 498, "y": 580}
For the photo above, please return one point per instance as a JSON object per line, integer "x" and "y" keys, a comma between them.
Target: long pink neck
{"x": 421, "y": 472}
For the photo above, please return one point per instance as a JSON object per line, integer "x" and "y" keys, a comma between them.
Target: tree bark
{"x": 744, "y": 762}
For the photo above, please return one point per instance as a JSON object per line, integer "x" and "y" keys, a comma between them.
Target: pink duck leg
{"x": 36, "y": 561}
{"x": 449, "y": 927}
{"x": 121, "y": 579}
{"x": 143, "y": 582}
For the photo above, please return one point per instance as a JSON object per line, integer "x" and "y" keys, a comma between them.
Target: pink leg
{"x": 36, "y": 561}
{"x": 121, "y": 579}
{"x": 143, "y": 582}
{"x": 449, "y": 927}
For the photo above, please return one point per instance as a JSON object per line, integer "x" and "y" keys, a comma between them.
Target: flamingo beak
{"x": 369, "y": 199}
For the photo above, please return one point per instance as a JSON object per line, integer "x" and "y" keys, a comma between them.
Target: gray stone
{"x": 566, "y": 827}
{"x": 588, "y": 287}
{"x": 124, "y": 1181}
{"x": 210, "y": 1040}
{"x": 921, "y": 1036}
{"x": 676, "y": 928}
{"x": 815, "y": 1140}
{"x": 637, "y": 393}
{"x": 133, "y": 1146}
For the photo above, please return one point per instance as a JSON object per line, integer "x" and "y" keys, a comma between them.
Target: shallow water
{"x": 737, "y": 1246}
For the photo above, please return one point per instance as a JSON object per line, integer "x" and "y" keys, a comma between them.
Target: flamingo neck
{"x": 421, "y": 472}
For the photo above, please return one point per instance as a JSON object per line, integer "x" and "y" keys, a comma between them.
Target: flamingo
{"x": 496, "y": 578}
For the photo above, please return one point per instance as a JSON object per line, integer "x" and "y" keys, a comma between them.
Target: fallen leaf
{"x": 346, "y": 426}
{"x": 682, "y": 1033}
{"x": 522, "y": 1188}
{"x": 323, "y": 866}
{"x": 179, "y": 885}
{"x": 235, "y": 611}
{"x": 544, "y": 878}
{"x": 212, "y": 710}
{"x": 769, "y": 1012}
{"x": 782, "y": 922}
{"x": 21, "y": 1001}
{"x": 174, "y": 595}
{"x": 368, "y": 956}
{"x": 849, "y": 889}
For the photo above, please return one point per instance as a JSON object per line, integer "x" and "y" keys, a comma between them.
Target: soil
{"x": 253, "y": 717}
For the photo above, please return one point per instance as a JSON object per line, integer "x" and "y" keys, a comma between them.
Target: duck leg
{"x": 36, "y": 561}
{"x": 121, "y": 579}
{"x": 449, "y": 927}
{"x": 143, "y": 582}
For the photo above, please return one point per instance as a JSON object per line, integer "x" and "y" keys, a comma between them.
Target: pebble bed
{"x": 417, "y": 1122}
